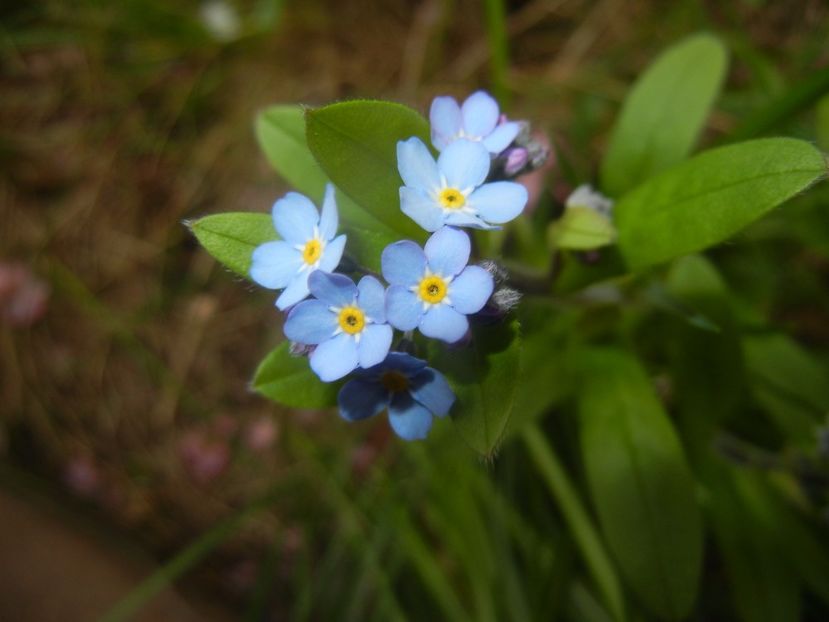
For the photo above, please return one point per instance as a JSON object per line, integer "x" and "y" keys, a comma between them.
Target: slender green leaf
{"x": 232, "y": 237}
{"x": 640, "y": 484}
{"x": 664, "y": 113}
{"x": 484, "y": 375}
{"x": 355, "y": 143}
{"x": 289, "y": 380}
{"x": 712, "y": 196}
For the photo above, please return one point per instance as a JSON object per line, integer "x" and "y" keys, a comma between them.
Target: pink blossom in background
{"x": 23, "y": 296}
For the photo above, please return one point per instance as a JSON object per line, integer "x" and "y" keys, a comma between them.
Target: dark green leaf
{"x": 355, "y": 143}
{"x": 232, "y": 237}
{"x": 289, "y": 380}
{"x": 640, "y": 484}
{"x": 712, "y": 196}
{"x": 664, "y": 113}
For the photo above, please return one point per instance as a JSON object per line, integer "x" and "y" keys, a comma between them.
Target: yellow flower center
{"x": 452, "y": 198}
{"x": 352, "y": 320}
{"x": 312, "y": 251}
{"x": 394, "y": 381}
{"x": 432, "y": 289}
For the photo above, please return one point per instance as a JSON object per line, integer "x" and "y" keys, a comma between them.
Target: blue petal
{"x": 447, "y": 251}
{"x": 480, "y": 114}
{"x": 275, "y": 264}
{"x": 422, "y": 209}
{"x": 430, "y": 388}
{"x": 297, "y": 290}
{"x": 416, "y": 165}
{"x": 444, "y": 323}
{"x": 310, "y": 322}
{"x": 502, "y": 136}
{"x": 403, "y": 263}
{"x": 294, "y": 217}
{"x": 464, "y": 164}
{"x": 335, "y": 290}
{"x": 332, "y": 253}
{"x": 402, "y": 362}
{"x": 372, "y": 298}
{"x": 499, "y": 201}
{"x": 461, "y": 219}
{"x": 445, "y": 118}
{"x": 361, "y": 399}
{"x": 335, "y": 358}
{"x": 409, "y": 420}
{"x": 375, "y": 341}
{"x": 470, "y": 290}
{"x": 328, "y": 217}
{"x": 403, "y": 308}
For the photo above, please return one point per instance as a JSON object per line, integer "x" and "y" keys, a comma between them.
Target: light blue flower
{"x": 307, "y": 244}
{"x": 476, "y": 120}
{"x": 452, "y": 191}
{"x": 346, "y": 323}
{"x": 411, "y": 392}
{"x": 432, "y": 289}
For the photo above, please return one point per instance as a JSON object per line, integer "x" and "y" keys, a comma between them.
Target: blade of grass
{"x": 496, "y": 30}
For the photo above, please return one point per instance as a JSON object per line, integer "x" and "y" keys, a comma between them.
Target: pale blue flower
{"x": 432, "y": 289}
{"x": 307, "y": 244}
{"x": 346, "y": 323}
{"x": 411, "y": 392}
{"x": 451, "y": 190}
{"x": 476, "y": 120}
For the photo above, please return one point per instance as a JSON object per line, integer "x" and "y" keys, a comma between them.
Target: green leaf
{"x": 640, "y": 483}
{"x": 288, "y": 380}
{"x": 581, "y": 228}
{"x": 355, "y": 143}
{"x": 485, "y": 376}
{"x": 664, "y": 113}
{"x": 232, "y": 237}
{"x": 712, "y": 196}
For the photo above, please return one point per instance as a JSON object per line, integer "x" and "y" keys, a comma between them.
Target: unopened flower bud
{"x": 516, "y": 160}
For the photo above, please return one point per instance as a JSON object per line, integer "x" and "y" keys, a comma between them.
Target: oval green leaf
{"x": 288, "y": 380}
{"x": 232, "y": 237}
{"x": 710, "y": 197}
{"x": 355, "y": 143}
{"x": 640, "y": 484}
{"x": 581, "y": 228}
{"x": 664, "y": 113}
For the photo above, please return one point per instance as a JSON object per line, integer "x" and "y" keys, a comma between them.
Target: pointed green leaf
{"x": 640, "y": 483}
{"x": 288, "y": 380}
{"x": 581, "y": 228}
{"x": 232, "y": 237}
{"x": 664, "y": 113}
{"x": 355, "y": 143}
{"x": 712, "y": 196}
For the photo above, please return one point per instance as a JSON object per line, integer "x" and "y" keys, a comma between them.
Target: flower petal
{"x": 480, "y": 114}
{"x": 445, "y": 119}
{"x": 447, "y": 251}
{"x": 334, "y": 358}
{"x": 501, "y": 137}
{"x": 310, "y": 322}
{"x": 297, "y": 290}
{"x": 328, "y": 218}
{"x": 462, "y": 219}
{"x": 499, "y": 201}
{"x": 332, "y": 253}
{"x": 416, "y": 165}
{"x": 402, "y": 362}
{"x": 294, "y": 217}
{"x": 361, "y": 399}
{"x": 275, "y": 264}
{"x": 372, "y": 298}
{"x": 410, "y": 420}
{"x": 429, "y": 387}
{"x": 403, "y": 263}
{"x": 403, "y": 308}
{"x": 444, "y": 323}
{"x": 464, "y": 164}
{"x": 375, "y": 341}
{"x": 471, "y": 289}
{"x": 420, "y": 208}
{"x": 335, "y": 290}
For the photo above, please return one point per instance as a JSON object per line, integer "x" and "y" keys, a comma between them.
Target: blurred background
{"x": 128, "y": 433}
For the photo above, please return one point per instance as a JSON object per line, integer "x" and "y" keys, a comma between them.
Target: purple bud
{"x": 517, "y": 158}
